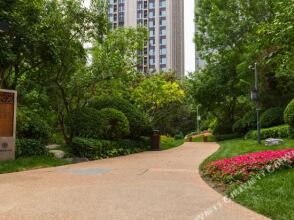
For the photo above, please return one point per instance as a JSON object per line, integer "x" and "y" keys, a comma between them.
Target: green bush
{"x": 97, "y": 149}
{"x": 31, "y": 125}
{"x": 113, "y": 124}
{"x": 281, "y": 131}
{"x": 227, "y": 137}
{"x": 30, "y": 147}
{"x": 84, "y": 122}
{"x": 272, "y": 117}
{"x": 289, "y": 114}
{"x": 246, "y": 123}
{"x": 139, "y": 125}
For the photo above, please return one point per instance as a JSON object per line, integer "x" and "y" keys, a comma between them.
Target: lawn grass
{"x": 168, "y": 143}
{"x": 272, "y": 195}
{"x": 28, "y": 163}
{"x": 231, "y": 148}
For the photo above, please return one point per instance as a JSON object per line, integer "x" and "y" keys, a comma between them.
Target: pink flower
{"x": 243, "y": 166}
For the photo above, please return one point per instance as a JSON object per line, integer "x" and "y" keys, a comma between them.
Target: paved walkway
{"x": 150, "y": 185}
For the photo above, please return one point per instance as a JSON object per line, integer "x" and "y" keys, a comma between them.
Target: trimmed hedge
{"x": 139, "y": 125}
{"x": 272, "y": 117}
{"x": 227, "y": 137}
{"x": 281, "y": 131}
{"x": 97, "y": 149}
{"x": 113, "y": 124}
{"x": 84, "y": 123}
{"x": 30, "y": 147}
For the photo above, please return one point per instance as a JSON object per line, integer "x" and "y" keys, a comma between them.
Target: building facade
{"x": 165, "y": 21}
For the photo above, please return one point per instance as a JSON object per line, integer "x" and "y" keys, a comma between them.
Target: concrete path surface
{"x": 150, "y": 185}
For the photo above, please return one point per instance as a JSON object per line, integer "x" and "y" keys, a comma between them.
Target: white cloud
{"x": 189, "y": 36}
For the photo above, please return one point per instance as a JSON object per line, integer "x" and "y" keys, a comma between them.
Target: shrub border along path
{"x": 149, "y": 185}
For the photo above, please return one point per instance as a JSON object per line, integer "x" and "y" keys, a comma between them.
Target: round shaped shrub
{"x": 31, "y": 125}
{"x": 289, "y": 114}
{"x": 84, "y": 122}
{"x": 139, "y": 125}
{"x": 272, "y": 117}
{"x": 113, "y": 124}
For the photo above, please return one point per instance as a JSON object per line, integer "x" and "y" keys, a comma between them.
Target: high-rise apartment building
{"x": 165, "y": 22}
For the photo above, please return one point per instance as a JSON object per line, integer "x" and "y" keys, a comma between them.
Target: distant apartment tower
{"x": 165, "y": 22}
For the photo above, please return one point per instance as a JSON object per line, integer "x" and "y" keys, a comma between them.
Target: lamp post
{"x": 255, "y": 97}
{"x": 198, "y": 117}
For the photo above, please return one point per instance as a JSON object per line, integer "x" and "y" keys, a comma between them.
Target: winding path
{"x": 150, "y": 185}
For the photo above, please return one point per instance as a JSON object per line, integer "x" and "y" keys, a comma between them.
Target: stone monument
{"x": 8, "y": 101}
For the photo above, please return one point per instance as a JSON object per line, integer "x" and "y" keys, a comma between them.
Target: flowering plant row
{"x": 241, "y": 168}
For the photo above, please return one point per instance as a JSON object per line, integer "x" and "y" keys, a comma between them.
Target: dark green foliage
{"x": 96, "y": 149}
{"x": 84, "y": 122}
{"x": 273, "y": 132}
{"x": 291, "y": 132}
{"x": 31, "y": 125}
{"x": 227, "y": 137}
{"x": 272, "y": 117}
{"x": 179, "y": 136}
{"x": 204, "y": 125}
{"x": 30, "y": 147}
{"x": 246, "y": 123}
{"x": 139, "y": 125}
{"x": 222, "y": 128}
{"x": 289, "y": 114}
{"x": 113, "y": 124}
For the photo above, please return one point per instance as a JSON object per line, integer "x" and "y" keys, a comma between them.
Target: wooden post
{"x": 8, "y": 102}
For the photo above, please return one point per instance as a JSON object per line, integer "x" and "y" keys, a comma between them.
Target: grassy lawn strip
{"x": 270, "y": 196}
{"x": 237, "y": 147}
{"x": 29, "y": 163}
{"x": 168, "y": 143}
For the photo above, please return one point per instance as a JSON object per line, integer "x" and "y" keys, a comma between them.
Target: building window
{"x": 151, "y": 4}
{"x": 162, "y": 3}
{"x": 162, "y": 60}
{"x": 162, "y": 31}
{"x": 152, "y": 52}
{"x": 162, "y": 51}
{"x": 152, "y": 33}
{"x": 151, "y": 23}
{"x": 162, "y": 41}
{"x": 152, "y": 41}
{"x": 140, "y": 5}
{"x": 162, "y": 13}
{"x": 140, "y": 15}
{"x": 151, "y": 61}
{"x": 162, "y": 21}
{"x": 151, "y": 14}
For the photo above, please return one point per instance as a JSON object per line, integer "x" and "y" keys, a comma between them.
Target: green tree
{"x": 157, "y": 96}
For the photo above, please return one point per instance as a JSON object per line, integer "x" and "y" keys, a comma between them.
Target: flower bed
{"x": 241, "y": 168}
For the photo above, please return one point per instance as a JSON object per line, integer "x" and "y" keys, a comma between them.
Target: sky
{"x": 189, "y": 34}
